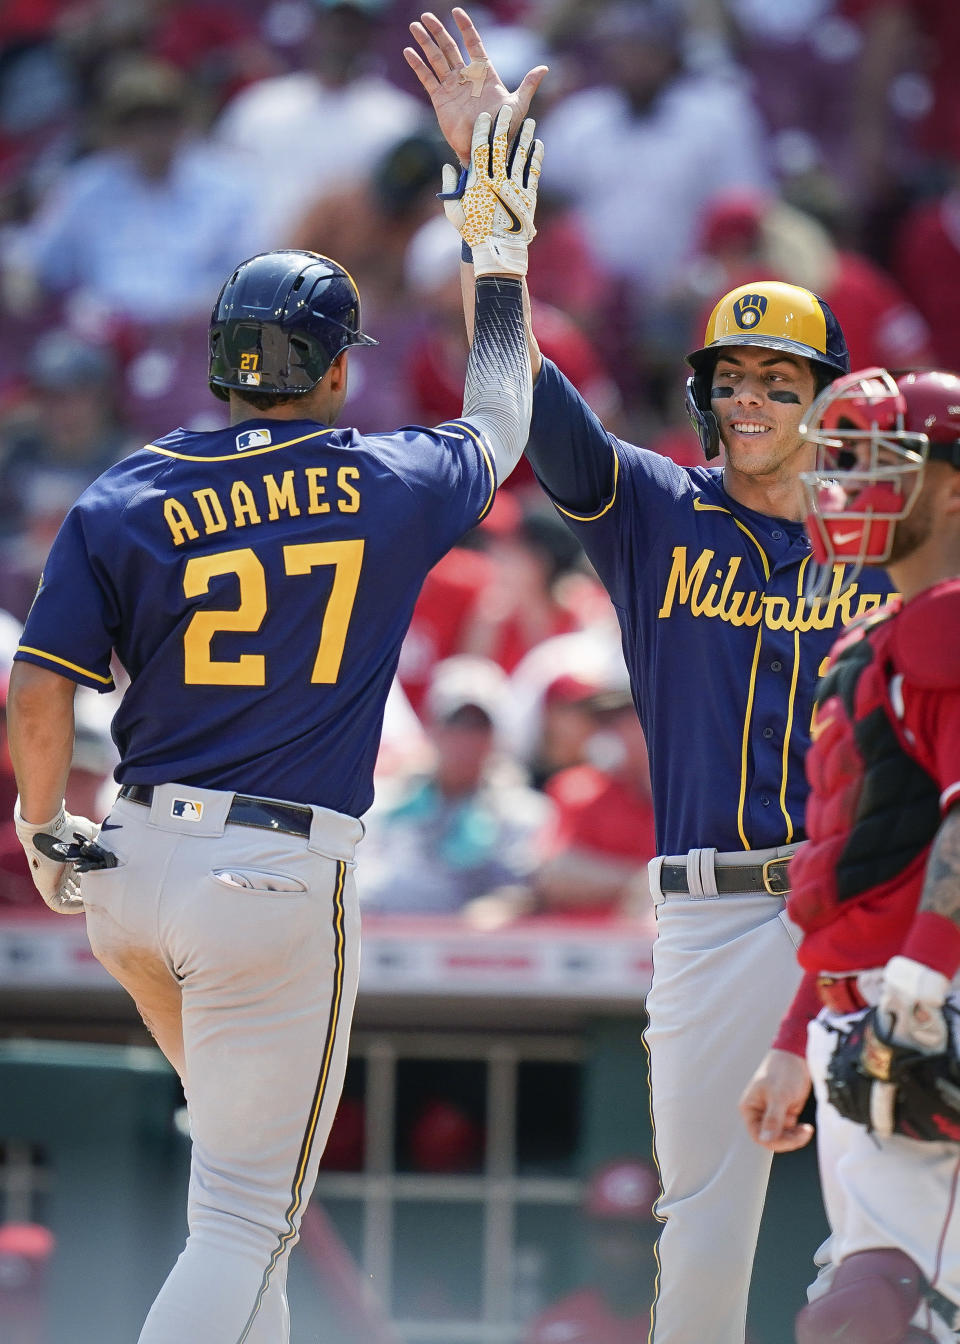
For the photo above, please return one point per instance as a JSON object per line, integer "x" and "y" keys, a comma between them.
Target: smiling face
{"x": 759, "y": 397}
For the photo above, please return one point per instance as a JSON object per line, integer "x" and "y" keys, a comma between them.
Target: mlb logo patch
{"x": 186, "y": 809}
{"x": 253, "y": 438}
{"x": 250, "y": 379}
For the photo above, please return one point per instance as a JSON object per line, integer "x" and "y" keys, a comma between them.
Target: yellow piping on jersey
{"x": 235, "y": 457}
{"x": 746, "y": 737}
{"x": 751, "y": 690}
{"x": 52, "y": 657}
{"x": 318, "y": 1098}
{"x": 592, "y": 517}
{"x": 700, "y": 507}
{"x": 790, "y": 708}
{"x": 460, "y": 424}
{"x": 763, "y": 554}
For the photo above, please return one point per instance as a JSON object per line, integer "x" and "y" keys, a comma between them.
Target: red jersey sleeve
{"x": 948, "y": 748}
{"x": 792, "y": 1035}
{"x": 935, "y": 724}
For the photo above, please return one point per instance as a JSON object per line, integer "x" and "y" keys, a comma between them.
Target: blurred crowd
{"x": 146, "y": 146}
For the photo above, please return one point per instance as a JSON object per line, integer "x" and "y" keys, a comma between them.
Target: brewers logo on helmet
{"x": 774, "y": 315}
{"x": 280, "y": 321}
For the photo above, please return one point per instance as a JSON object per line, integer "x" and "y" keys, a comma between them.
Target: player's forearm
{"x": 467, "y": 289}
{"x": 498, "y": 393}
{"x": 40, "y": 729}
{"x": 934, "y": 938}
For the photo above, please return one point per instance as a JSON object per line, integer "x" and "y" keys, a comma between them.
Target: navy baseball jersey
{"x": 256, "y": 584}
{"x": 723, "y": 646}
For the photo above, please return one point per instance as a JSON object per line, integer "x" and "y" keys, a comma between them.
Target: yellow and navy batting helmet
{"x": 774, "y": 315}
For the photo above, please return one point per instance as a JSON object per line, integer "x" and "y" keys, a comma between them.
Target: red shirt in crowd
{"x": 598, "y": 814}
{"x": 928, "y": 267}
{"x": 444, "y": 608}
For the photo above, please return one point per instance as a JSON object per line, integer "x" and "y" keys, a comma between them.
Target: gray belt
{"x": 772, "y": 877}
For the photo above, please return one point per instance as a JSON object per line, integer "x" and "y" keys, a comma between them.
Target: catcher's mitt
{"x": 894, "y": 1089}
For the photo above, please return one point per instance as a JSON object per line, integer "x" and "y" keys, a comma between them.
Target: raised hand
{"x": 458, "y": 91}
{"x": 493, "y": 204}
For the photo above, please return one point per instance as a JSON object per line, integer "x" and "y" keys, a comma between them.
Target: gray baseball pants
{"x": 724, "y": 972}
{"x": 240, "y": 947}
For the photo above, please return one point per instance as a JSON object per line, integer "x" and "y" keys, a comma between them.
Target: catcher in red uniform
{"x": 876, "y": 891}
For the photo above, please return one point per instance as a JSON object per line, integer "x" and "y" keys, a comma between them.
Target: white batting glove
{"x": 492, "y": 205}
{"x": 55, "y": 879}
{"x": 910, "y": 1011}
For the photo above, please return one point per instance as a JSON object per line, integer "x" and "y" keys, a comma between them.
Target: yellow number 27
{"x": 200, "y": 669}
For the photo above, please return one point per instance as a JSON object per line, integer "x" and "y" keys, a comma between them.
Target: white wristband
{"x": 913, "y": 982}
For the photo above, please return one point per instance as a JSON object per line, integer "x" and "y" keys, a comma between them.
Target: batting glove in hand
{"x": 493, "y": 202}
{"x": 54, "y": 877}
{"x": 892, "y": 1088}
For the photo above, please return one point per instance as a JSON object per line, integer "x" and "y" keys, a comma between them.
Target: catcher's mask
{"x": 874, "y": 432}
{"x": 775, "y": 316}
{"x": 280, "y": 321}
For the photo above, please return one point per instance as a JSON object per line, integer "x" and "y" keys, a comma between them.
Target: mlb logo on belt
{"x": 253, "y": 438}
{"x": 186, "y": 809}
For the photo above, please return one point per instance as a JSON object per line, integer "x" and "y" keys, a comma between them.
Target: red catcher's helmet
{"x": 874, "y": 432}
{"x": 625, "y": 1189}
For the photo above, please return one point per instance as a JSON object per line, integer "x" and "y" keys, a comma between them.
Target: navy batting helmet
{"x": 280, "y": 321}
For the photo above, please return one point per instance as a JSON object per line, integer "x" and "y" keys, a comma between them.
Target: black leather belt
{"x": 772, "y": 877}
{"x": 262, "y": 813}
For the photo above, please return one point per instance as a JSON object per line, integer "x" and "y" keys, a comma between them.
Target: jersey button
{"x": 777, "y": 536}
{"x": 776, "y": 665}
{"x": 768, "y": 732}
{"x": 764, "y": 800}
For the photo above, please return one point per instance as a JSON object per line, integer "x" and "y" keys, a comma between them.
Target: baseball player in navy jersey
{"x": 708, "y": 570}
{"x": 256, "y": 583}
{"x": 876, "y": 889}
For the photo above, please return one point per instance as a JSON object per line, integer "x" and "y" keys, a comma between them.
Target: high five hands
{"x": 460, "y": 91}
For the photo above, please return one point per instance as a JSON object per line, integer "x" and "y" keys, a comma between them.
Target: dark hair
{"x": 264, "y": 401}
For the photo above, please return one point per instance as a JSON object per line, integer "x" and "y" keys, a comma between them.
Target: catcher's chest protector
{"x": 874, "y": 809}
